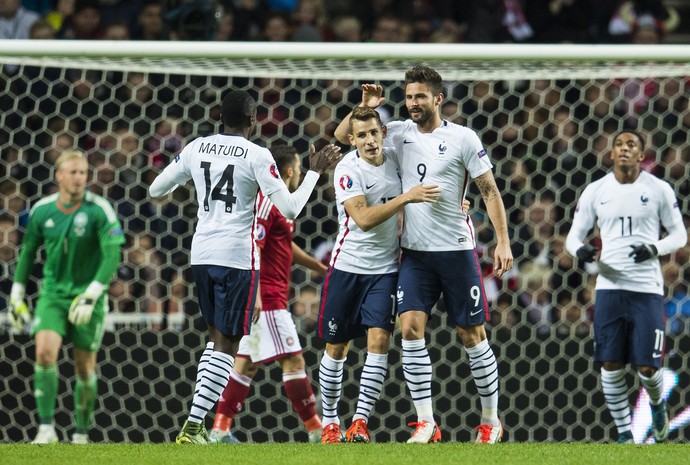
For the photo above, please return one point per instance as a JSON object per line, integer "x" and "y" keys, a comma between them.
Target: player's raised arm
{"x": 291, "y": 204}
{"x": 372, "y": 97}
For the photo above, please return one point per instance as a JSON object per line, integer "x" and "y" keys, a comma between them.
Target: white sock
{"x": 370, "y": 384}
{"x": 616, "y": 395}
{"x": 485, "y": 373}
{"x": 417, "y": 370}
{"x": 210, "y": 387}
{"x": 654, "y": 386}
{"x": 330, "y": 385}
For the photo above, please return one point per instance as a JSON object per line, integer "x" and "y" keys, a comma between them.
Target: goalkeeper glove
{"x": 643, "y": 252}
{"x": 586, "y": 253}
{"x": 82, "y": 306}
{"x": 18, "y": 311}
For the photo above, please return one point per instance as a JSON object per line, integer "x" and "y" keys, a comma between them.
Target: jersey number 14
{"x": 225, "y": 183}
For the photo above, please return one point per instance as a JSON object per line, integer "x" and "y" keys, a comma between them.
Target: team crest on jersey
{"x": 260, "y": 232}
{"x": 481, "y": 153}
{"x": 644, "y": 199}
{"x": 80, "y": 221}
{"x": 345, "y": 182}
{"x": 274, "y": 171}
{"x": 442, "y": 147}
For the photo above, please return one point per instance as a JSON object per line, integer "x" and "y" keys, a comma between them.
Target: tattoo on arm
{"x": 359, "y": 204}
{"x": 487, "y": 186}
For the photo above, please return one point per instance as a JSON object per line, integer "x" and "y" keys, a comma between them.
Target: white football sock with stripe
{"x": 203, "y": 361}
{"x": 370, "y": 384}
{"x": 616, "y": 395}
{"x": 485, "y": 373}
{"x": 210, "y": 387}
{"x": 330, "y": 385}
{"x": 654, "y": 386}
{"x": 417, "y": 370}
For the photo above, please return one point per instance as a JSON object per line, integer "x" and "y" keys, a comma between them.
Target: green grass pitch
{"x": 345, "y": 454}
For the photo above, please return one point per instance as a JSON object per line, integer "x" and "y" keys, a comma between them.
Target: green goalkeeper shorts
{"x": 51, "y": 314}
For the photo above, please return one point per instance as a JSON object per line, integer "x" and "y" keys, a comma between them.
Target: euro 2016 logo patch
{"x": 274, "y": 171}
{"x": 481, "y": 153}
{"x": 259, "y": 232}
{"x": 345, "y": 182}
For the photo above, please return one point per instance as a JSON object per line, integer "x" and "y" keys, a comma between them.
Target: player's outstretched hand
{"x": 586, "y": 253}
{"x": 325, "y": 159}
{"x": 422, "y": 193}
{"x": 372, "y": 95}
{"x": 643, "y": 252}
{"x": 19, "y": 313}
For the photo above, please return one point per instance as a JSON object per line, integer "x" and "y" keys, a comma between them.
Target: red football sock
{"x": 299, "y": 391}
{"x": 232, "y": 399}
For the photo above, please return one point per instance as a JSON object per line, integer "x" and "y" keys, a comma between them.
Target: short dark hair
{"x": 364, "y": 114}
{"x": 425, "y": 75}
{"x": 284, "y": 155}
{"x": 236, "y": 109}
{"x": 634, "y": 133}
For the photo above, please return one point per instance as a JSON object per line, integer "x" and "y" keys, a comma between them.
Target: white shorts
{"x": 274, "y": 336}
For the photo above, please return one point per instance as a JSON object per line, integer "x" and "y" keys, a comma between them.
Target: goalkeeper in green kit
{"x": 82, "y": 238}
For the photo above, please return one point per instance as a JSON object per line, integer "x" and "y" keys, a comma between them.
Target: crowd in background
{"x": 414, "y": 21}
{"x": 547, "y": 139}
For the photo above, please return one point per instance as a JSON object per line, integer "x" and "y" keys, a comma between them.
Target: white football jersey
{"x": 375, "y": 251}
{"x": 228, "y": 172}
{"x": 627, "y": 215}
{"x": 447, "y": 157}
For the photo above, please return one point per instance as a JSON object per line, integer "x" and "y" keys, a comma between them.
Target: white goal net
{"x": 546, "y": 115}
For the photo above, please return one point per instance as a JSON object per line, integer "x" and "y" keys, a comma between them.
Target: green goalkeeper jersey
{"x": 82, "y": 244}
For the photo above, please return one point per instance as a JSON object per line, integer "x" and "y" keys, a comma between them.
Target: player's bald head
{"x": 237, "y": 108}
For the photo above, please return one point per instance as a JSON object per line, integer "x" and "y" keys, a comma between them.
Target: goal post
{"x": 545, "y": 113}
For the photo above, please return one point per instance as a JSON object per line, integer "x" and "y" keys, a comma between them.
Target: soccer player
{"x": 358, "y": 294}
{"x": 274, "y": 335}
{"x": 82, "y": 238}
{"x": 438, "y": 254}
{"x": 228, "y": 172}
{"x": 627, "y": 206}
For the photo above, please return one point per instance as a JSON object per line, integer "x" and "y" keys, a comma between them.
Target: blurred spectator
{"x": 276, "y": 28}
{"x": 677, "y": 303}
{"x": 306, "y": 308}
{"x": 571, "y": 317}
{"x": 387, "y": 28}
{"x": 535, "y": 296}
{"x": 226, "y": 27}
{"x": 150, "y": 22}
{"x": 643, "y": 21}
{"x": 15, "y": 20}
{"x": 41, "y": 30}
{"x": 347, "y": 29}
{"x": 166, "y": 142}
{"x": 118, "y": 30}
{"x": 310, "y": 22}
{"x": 84, "y": 23}
{"x": 63, "y": 10}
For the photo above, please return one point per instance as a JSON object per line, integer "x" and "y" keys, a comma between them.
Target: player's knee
{"x": 292, "y": 363}
{"x": 337, "y": 351}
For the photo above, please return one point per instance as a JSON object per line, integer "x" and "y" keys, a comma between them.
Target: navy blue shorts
{"x": 629, "y": 327}
{"x": 351, "y": 303}
{"x": 226, "y": 297}
{"x": 424, "y": 275}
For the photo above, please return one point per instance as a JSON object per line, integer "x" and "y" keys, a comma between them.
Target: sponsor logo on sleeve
{"x": 115, "y": 231}
{"x": 345, "y": 182}
{"x": 177, "y": 158}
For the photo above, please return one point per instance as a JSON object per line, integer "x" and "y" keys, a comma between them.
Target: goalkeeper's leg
{"x": 46, "y": 383}
{"x": 85, "y": 392}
